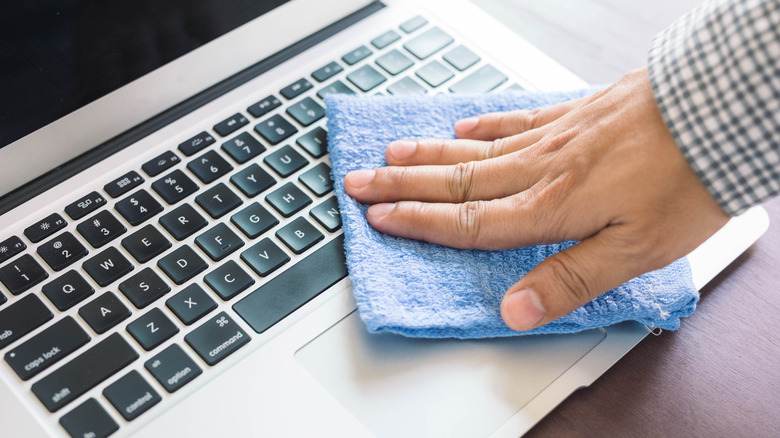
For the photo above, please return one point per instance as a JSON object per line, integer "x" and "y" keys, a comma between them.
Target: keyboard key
{"x": 107, "y": 267}
{"x": 254, "y": 220}
{"x": 406, "y": 86}
{"x": 394, "y": 62}
{"x": 483, "y": 80}
{"x": 264, "y": 107}
{"x": 413, "y": 24}
{"x": 428, "y": 43}
{"x": 138, "y": 208}
{"x": 461, "y": 57}
{"x": 46, "y": 348}
{"x": 173, "y": 368}
{"x": 67, "y": 290}
{"x": 253, "y": 180}
{"x": 22, "y": 274}
{"x": 11, "y": 247}
{"x": 183, "y": 222}
{"x": 152, "y": 329}
{"x": 435, "y": 74}
{"x": 315, "y": 142}
{"x": 101, "y": 229}
{"x": 89, "y": 419}
{"x": 84, "y": 372}
{"x": 366, "y": 78}
{"x": 60, "y": 252}
{"x": 174, "y": 187}
{"x": 324, "y": 73}
{"x": 285, "y": 161}
{"x": 264, "y": 257}
{"x": 327, "y": 214}
{"x": 217, "y": 338}
{"x": 230, "y": 125}
{"x": 295, "y": 89}
{"x": 218, "y": 200}
{"x": 385, "y": 39}
{"x": 275, "y": 129}
{"x": 21, "y": 318}
{"x": 228, "y": 280}
{"x": 299, "y": 235}
{"x": 209, "y": 167}
{"x": 356, "y": 55}
{"x": 131, "y": 395}
{"x": 144, "y": 288}
{"x": 123, "y": 184}
{"x": 160, "y": 164}
{"x": 515, "y": 87}
{"x": 243, "y": 147}
{"x": 336, "y": 87}
{"x": 191, "y": 304}
{"x": 182, "y": 264}
{"x": 288, "y": 199}
{"x": 45, "y": 227}
{"x": 219, "y": 242}
{"x": 306, "y": 111}
{"x": 146, "y": 244}
{"x": 104, "y": 312}
{"x": 317, "y": 179}
{"x": 85, "y": 206}
{"x": 196, "y": 144}
{"x": 294, "y": 287}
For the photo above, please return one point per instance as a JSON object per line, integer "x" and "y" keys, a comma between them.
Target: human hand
{"x": 603, "y": 169}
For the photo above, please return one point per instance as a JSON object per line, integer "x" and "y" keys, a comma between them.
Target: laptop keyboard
{"x": 183, "y": 244}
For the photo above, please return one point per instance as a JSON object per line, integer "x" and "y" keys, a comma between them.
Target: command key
{"x": 217, "y": 338}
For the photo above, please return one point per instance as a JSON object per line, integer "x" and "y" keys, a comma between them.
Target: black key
{"x": 294, "y": 287}
{"x": 461, "y": 57}
{"x": 22, "y": 274}
{"x": 413, "y": 24}
{"x": 89, "y": 419}
{"x": 315, "y": 142}
{"x": 138, "y": 208}
{"x": 428, "y": 43}
{"x": 275, "y": 129}
{"x": 11, "y": 247}
{"x": 107, "y": 267}
{"x": 306, "y": 111}
{"x": 356, "y": 55}
{"x": 394, "y": 62}
{"x": 60, "y": 252}
{"x": 219, "y": 242}
{"x": 385, "y": 39}
{"x": 228, "y": 280}
{"x": 3, "y": 299}
{"x": 160, "y": 164}
{"x": 45, "y": 227}
{"x": 101, "y": 229}
{"x": 406, "y": 86}
{"x": 254, "y": 220}
{"x": 152, "y": 329}
{"x": 299, "y": 235}
{"x": 131, "y": 395}
{"x": 295, "y": 89}
{"x": 146, "y": 244}
{"x": 328, "y": 214}
{"x": 123, "y": 184}
{"x": 317, "y": 179}
{"x": 21, "y": 318}
{"x": 183, "y": 222}
{"x": 182, "y": 264}
{"x": 67, "y": 290}
{"x": 435, "y": 74}
{"x": 144, "y": 288}
{"x": 196, "y": 144}
{"x": 46, "y": 348}
{"x": 104, "y": 312}
{"x": 253, "y": 180}
{"x": 336, "y": 87}
{"x": 209, "y": 166}
{"x": 324, "y": 73}
{"x": 173, "y": 368}
{"x": 483, "y": 80}
{"x": 288, "y": 199}
{"x": 84, "y": 372}
{"x": 515, "y": 87}
{"x": 285, "y": 161}
{"x": 85, "y": 206}
{"x": 243, "y": 147}
{"x": 217, "y": 338}
{"x": 264, "y": 107}
{"x": 191, "y": 304}
{"x": 366, "y": 78}
{"x": 231, "y": 124}
{"x": 174, "y": 187}
{"x": 264, "y": 257}
{"x": 218, "y": 200}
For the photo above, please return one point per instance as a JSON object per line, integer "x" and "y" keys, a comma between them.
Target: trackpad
{"x": 419, "y": 387}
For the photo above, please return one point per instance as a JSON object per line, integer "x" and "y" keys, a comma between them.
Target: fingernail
{"x": 522, "y": 310}
{"x": 359, "y": 178}
{"x": 466, "y": 125}
{"x": 377, "y": 211}
{"x": 402, "y": 149}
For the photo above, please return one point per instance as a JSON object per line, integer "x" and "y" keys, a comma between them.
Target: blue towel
{"x": 419, "y": 289}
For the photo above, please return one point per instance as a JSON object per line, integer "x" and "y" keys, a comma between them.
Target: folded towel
{"x": 419, "y": 289}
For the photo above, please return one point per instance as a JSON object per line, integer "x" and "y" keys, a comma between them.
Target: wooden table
{"x": 719, "y": 375}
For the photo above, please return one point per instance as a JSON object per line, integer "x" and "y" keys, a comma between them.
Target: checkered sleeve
{"x": 716, "y": 78}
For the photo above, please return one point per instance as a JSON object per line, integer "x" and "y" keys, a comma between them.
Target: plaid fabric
{"x": 716, "y": 78}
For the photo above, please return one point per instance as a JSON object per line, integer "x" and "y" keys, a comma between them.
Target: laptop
{"x": 171, "y": 255}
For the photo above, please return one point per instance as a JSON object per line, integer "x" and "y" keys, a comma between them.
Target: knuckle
{"x": 468, "y": 222}
{"x": 571, "y": 280}
{"x": 531, "y": 119}
{"x": 461, "y": 180}
{"x": 496, "y": 148}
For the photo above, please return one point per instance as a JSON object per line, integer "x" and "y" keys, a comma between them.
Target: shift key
{"x": 217, "y": 338}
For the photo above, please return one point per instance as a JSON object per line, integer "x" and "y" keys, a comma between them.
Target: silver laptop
{"x": 171, "y": 255}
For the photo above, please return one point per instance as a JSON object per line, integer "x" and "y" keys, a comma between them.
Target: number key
{"x": 22, "y": 274}
{"x": 209, "y": 166}
{"x": 59, "y": 253}
{"x": 138, "y": 208}
{"x": 174, "y": 187}
{"x": 101, "y": 229}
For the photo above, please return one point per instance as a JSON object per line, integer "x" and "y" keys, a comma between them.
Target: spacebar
{"x": 294, "y": 287}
